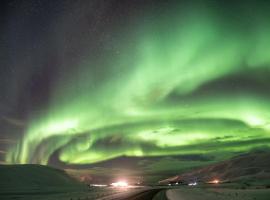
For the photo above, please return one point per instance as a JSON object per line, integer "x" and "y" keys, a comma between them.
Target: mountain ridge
{"x": 246, "y": 167}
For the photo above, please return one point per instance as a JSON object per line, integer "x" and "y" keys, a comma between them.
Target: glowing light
{"x": 98, "y": 185}
{"x": 120, "y": 184}
{"x": 215, "y": 181}
{"x": 192, "y": 184}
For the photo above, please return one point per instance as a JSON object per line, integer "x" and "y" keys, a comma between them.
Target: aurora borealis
{"x": 87, "y": 82}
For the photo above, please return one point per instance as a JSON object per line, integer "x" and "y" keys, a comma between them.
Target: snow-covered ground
{"x": 218, "y": 194}
{"x": 93, "y": 193}
{"x": 184, "y": 193}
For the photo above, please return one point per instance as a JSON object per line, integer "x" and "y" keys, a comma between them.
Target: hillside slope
{"x": 34, "y": 178}
{"x": 248, "y": 167}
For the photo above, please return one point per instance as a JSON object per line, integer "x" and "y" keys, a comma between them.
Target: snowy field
{"x": 218, "y": 194}
{"x": 147, "y": 193}
{"x": 91, "y": 194}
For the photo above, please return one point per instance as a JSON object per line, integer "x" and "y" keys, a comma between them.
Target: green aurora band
{"x": 183, "y": 81}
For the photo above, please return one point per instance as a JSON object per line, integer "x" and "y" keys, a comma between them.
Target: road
{"x": 150, "y": 194}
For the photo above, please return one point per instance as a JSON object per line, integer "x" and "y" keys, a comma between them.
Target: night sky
{"x": 111, "y": 88}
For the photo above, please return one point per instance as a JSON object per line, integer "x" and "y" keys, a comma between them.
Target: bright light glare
{"x": 98, "y": 185}
{"x": 215, "y": 181}
{"x": 192, "y": 184}
{"x": 120, "y": 184}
